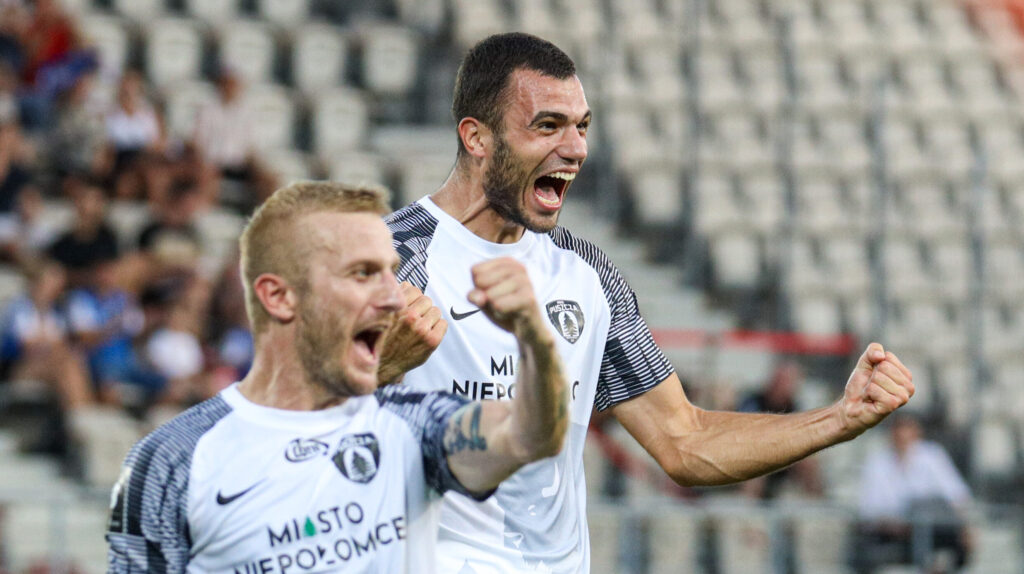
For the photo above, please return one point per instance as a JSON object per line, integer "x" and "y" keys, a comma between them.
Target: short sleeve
{"x": 148, "y": 529}
{"x": 428, "y": 414}
{"x": 632, "y": 363}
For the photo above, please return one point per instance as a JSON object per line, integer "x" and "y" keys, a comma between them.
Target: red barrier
{"x": 774, "y": 341}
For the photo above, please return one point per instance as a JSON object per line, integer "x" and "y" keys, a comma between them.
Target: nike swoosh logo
{"x": 222, "y": 500}
{"x": 460, "y": 316}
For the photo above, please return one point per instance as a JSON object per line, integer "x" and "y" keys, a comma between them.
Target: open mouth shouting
{"x": 550, "y": 189}
{"x": 369, "y": 342}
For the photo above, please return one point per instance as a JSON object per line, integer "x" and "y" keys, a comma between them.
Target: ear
{"x": 276, "y": 296}
{"x": 475, "y": 136}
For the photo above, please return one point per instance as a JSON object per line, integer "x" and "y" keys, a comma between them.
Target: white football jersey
{"x": 536, "y": 521}
{"x": 232, "y": 486}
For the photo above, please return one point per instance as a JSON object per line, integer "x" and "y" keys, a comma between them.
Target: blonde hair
{"x": 269, "y": 244}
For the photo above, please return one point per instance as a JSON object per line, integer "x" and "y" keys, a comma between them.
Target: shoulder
{"x": 172, "y": 445}
{"x": 411, "y": 221}
{"x": 614, "y": 285}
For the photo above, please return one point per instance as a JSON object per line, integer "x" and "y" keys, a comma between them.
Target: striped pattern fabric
{"x": 412, "y": 228}
{"x": 632, "y": 363}
{"x": 150, "y": 499}
{"x": 427, "y": 414}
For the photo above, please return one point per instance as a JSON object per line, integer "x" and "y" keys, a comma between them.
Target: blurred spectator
{"x": 50, "y": 36}
{"x": 104, "y": 320}
{"x": 135, "y": 132}
{"x": 90, "y": 238}
{"x": 26, "y": 233}
{"x": 170, "y": 243}
{"x": 779, "y": 395}
{"x": 223, "y": 144}
{"x": 13, "y": 22}
{"x": 79, "y": 145}
{"x": 35, "y": 345}
{"x": 911, "y": 484}
{"x": 229, "y": 328}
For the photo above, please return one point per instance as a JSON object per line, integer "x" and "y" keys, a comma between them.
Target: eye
{"x": 583, "y": 127}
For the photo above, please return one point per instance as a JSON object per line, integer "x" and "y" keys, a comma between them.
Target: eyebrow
{"x": 558, "y": 116}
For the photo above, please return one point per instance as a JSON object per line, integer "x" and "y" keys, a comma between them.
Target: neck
{"x": 462, "y": 197}
{"x": 278, "y": 380}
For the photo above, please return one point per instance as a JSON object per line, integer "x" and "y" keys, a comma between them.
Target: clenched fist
{"x": 417, "y": 331}
{"x": 879, "y": 385}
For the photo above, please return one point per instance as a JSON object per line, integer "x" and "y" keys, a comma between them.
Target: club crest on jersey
{"x": 358, "y": 457}
{"x": 567, "y": 317}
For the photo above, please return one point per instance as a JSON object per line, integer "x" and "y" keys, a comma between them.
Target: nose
{"x": 391, "y": 294}
{"x": 574, "y": 145}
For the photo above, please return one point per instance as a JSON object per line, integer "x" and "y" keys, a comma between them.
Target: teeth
{"x": 566, "y": 175}
{"x": 550, "y": 203}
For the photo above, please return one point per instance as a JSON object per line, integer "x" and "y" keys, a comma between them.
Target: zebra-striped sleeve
{"x": 148, "y": 529}
{"x": 632, "y": 363}
{"x": 412, "y": 228}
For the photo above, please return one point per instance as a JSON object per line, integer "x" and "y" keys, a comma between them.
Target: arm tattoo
{"x": 456, "y": 440}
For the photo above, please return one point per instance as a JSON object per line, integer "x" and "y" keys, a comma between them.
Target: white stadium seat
{"x": 248, "y": 48}
{"x": 140, "y": 11}
{"x": 390, "y": 59}
{"x": 340, "y": 121}
{"x": 110, "y": 39}
{"x": 174, "y": 51}
{"x": 358, "y": 167}
{"x": 183, "y": 103}
{"x": 319, "y": 56}
{"x": 285, "y": 13}
{"x": 275, "y": 110}
{"x": 288, "y": 165}
{"x": 421, "y": 175}
{"x": 213, "y": 11}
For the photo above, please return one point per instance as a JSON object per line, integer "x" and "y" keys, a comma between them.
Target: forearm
{"x": 727, "y": 447}
{"x": 540, "y": 413}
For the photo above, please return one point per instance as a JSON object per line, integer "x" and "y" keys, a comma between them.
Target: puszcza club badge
{"x": 358, "y": 457}
{"x": 567, "y": 317}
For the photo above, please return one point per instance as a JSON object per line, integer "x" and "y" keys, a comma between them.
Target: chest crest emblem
{"x": 567, "y": 317}
{"x": 358, "y": 457}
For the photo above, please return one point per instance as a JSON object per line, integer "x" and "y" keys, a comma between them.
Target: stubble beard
{"x": 503, "y": 183}
{"x": 316, "y": 343}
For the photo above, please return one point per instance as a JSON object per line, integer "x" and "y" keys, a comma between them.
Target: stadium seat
{"x": 605, "y": 526}
{"x": 274, "y": 107}
{"x": 744, "y": 541}
{"x": 287, "y": 14}
{"x": 183, "y": 102}
{"x": 287, "y": 164}
{"x": 140, "y": 11}
{"x": 736, "y": 258}
{"x": 657, "y": 193}
{"x": 421, "y": 175}
{"x": 174, "y": 51}
{"x": 673, "y": 537}
{"x": 319, "y": 55}
{"x": 820, "y": 540}
{"x": 340, "y": 121}
{"x": 474, "y": 20}
{"x": 359, "y": 167}
{"x": 248, "y": 48}
{"x": 76, "y": 8}
{"x": 427, "y": 16}
{"x": 214, "y": 12}
{"x": 390, "y": 59}
{"x": 111, "y": 40}
{"x": 818, "y": 315}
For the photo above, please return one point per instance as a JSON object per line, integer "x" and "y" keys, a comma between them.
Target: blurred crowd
{"x": 107, "y": 320}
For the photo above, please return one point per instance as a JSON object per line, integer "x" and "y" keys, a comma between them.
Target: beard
{"x": 317, "y": 339}
{"x": 503, "y": 185}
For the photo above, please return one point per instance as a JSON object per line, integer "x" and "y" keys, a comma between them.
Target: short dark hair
{"x": 482, "y": 82}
